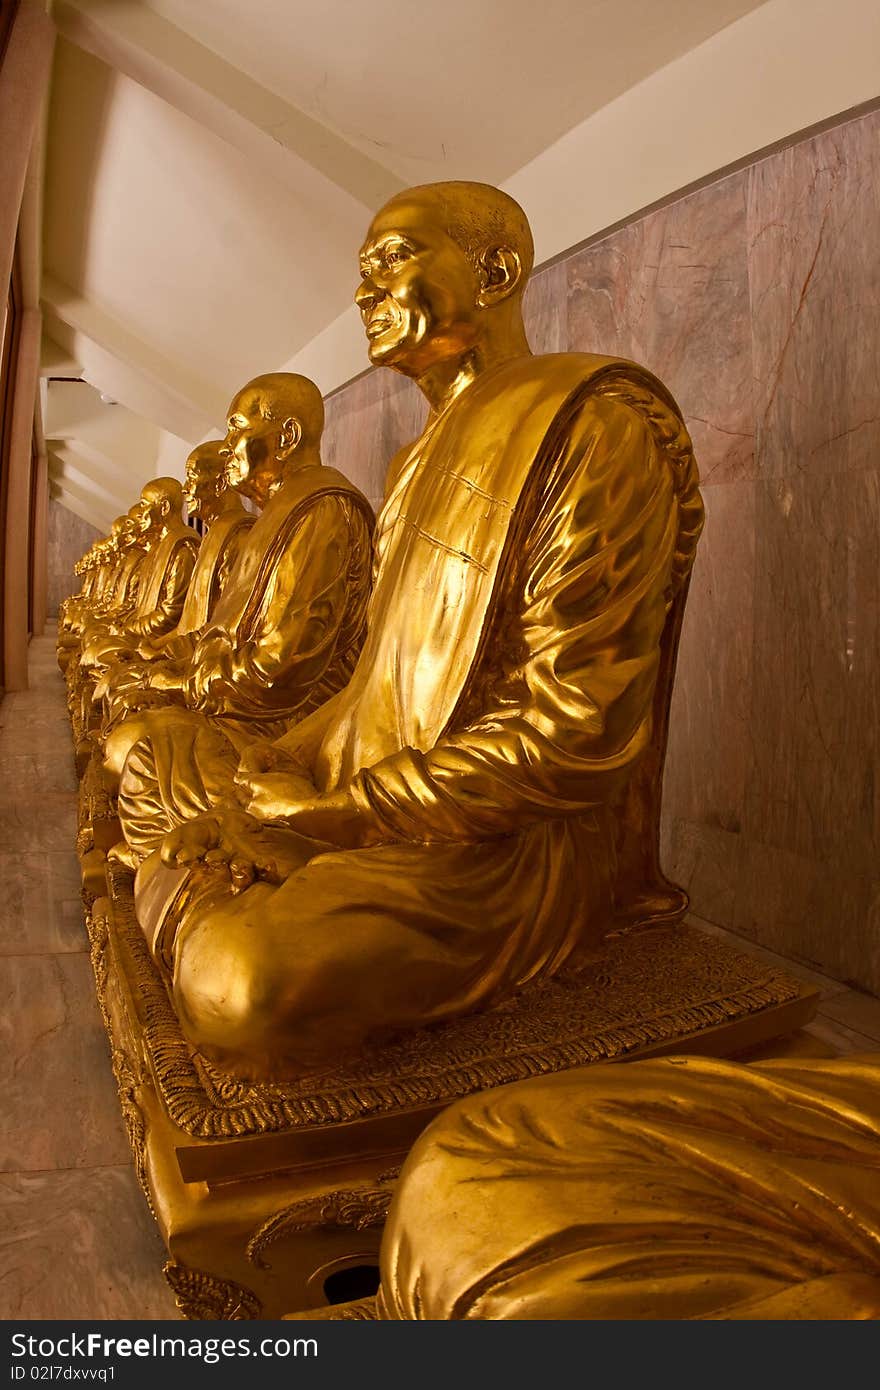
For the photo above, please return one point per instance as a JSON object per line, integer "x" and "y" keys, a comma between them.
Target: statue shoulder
{"x": 605, "y": 375}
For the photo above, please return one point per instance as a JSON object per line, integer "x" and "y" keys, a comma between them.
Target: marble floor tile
{"x": 80, "y": 1245}
{"x": 25, "y": 773}
{"x": 839, "y": 1038}
{"x": 855, "y": 1010}
{"x": 34, "y": 823}
{"x": 59, "y": 1097}
{"x": 40, "y": 903}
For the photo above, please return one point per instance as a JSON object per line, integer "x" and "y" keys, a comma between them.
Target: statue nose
{"x": 366, "y": 296}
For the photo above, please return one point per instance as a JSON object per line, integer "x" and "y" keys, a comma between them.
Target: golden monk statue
{"x": 159, "y": 670}
{"x": 678, "y": 1188}
{"x": 480, "y": 801}
{"x": 285, "y": 633}
{"x": 171, "y": 548}
{"x": 119, "y": 556}
{"x": 92, "y": 568}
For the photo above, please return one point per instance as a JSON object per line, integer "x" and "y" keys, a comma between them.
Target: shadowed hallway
{"x": 77, "y": 1239}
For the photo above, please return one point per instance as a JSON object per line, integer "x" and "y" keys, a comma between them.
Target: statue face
{"x": 419, "y": 292}
{"x": 255, "y": 448}
{"x": 204, "y": 483}
{"x": 154, "y": 508}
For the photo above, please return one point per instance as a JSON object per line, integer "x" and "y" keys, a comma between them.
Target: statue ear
{"x": 288, "y": 438}
{"x": 500, "y": 272}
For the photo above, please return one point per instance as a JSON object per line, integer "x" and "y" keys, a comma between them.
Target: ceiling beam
{"x": 84, "y": 508}
{"x": 144, "y": 46}
{"x": 179, "y": 400}
{"x": 70, "y": 468}
{"x": 120, "y": 481}
{"x": 56, "y": 361}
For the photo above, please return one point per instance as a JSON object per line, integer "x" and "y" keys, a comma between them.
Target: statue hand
{"x": 228, "y": 839}
{"x": 190, "y": 842}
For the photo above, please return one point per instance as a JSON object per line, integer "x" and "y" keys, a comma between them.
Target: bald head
{"x": 206, "y": 480}
{"x": 443, "y": 269}
{"x": 161, "y": 499}
{"x": 477, "y": 216}
{"x": 160, "y": 490}
{"x": 275, "y": 423}
{"x": 279, "y": 396}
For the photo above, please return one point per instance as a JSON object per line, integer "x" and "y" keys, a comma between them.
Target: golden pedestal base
{"x": 98, "y": 823}
{"x": 265, "y": 1192}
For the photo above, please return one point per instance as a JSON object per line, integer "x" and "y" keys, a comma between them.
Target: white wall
{"x": 782, "y": 68}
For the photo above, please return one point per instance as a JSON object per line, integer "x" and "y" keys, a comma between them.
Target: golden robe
{"x": 680, "y": 1188}
{"x": 282, "y": 639}
{"x": 530, "y": 555}
{"x": 213, "y": 567}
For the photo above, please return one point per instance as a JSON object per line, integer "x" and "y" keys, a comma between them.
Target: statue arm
{"x": 226, "y": 562}
{"x": 172, "y": 596}
{"x": 570, "y": 710}
{"x": 296, "y": 634}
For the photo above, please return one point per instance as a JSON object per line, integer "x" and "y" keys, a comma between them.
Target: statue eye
{"x": 397, "y": 256}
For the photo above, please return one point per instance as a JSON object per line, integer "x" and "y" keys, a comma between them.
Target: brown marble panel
{"x": 813, "y": 220}
{"x": 705, "y": 861}
{"x": 367, "y": 423}
{"x": 59, "y": 1097}
{"x": 814, "y": 778}
{"x": 813, "y": 912}
{"x": 80, "y": 1245}
{"x": 710, "y": 732}
{"x": 68, "y": 537}
{"x": 671, "y": 291}
{"x": 544, "y": 309}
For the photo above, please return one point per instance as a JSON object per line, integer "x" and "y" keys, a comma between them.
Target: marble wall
{"x": 68, "y": 538}
{"x": 757, "y": 300}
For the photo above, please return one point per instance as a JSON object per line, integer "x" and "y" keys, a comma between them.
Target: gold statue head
{"x": 274, "y": 423}
{"x": 443, "y": 269}
{"x": 132, "y": 532}
{"x": 161, "y": 499}
{"x": 206, "y": 481}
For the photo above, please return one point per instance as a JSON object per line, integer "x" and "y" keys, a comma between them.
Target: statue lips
{"x": 379, "y": 324}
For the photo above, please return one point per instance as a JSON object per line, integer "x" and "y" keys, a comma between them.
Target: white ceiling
{"x": 211, "y": 166}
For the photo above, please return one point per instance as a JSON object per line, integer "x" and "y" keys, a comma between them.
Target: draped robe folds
{"x": 529, "y": 554}
{"x": 162, "y": 592}
{"x": 283, "y": 638}
{"x": 163, "y": 580}
{"x": 679, "y": 1188}
{"x": 213, "y": 566}
{"x": 118, "y": 600}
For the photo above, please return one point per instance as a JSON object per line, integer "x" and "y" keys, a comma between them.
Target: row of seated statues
{"x": 376, "y": 774}
{"x": 371, "y": 777}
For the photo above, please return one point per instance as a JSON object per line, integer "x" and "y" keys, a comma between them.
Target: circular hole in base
{"x": 348, "y": 1285}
